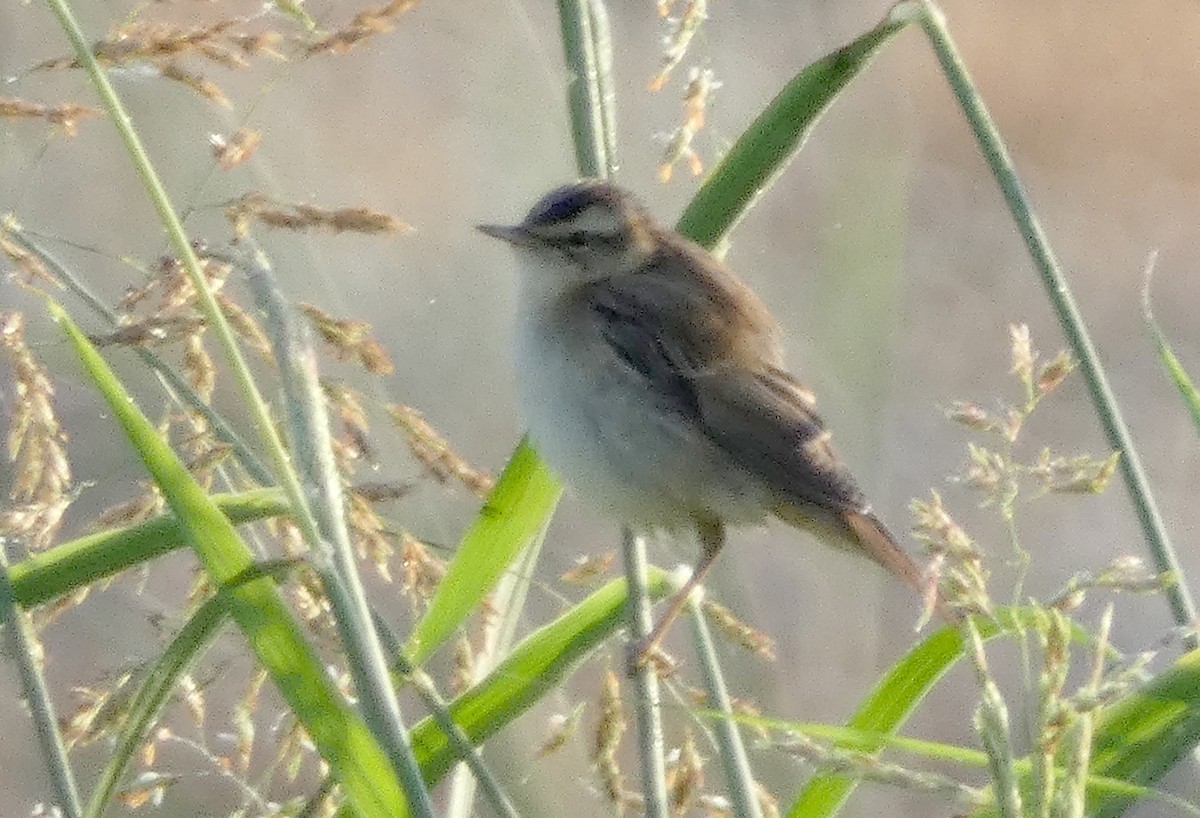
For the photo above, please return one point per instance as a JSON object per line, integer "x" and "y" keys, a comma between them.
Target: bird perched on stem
{"x": 652, "y": 382}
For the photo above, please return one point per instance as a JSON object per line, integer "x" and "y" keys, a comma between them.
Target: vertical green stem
{"x": 645, "y": 680}
{"x": 332, "y": 551}
{"x": 23, "y": 650}
{"x": 733, "y": 752}
{"x": 1183, "y": 608}
{"x": 587, "y": 47}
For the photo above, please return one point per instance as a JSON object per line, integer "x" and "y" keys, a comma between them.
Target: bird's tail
{"x": 864, "y": 533}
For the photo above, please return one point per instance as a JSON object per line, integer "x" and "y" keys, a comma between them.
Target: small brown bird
{"x": 652, "y": 382}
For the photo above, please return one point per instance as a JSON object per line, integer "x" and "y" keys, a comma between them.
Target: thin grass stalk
{"x": 991, "y": 722}
{"x": 424, "y": 686}
{"x": 647, "y": 704}
{"x": 333, "y": 552}
{"x": 1183, "y": 607}
{"x": 176, "y": 387}
{"x": 738, "y": 774}
{"x": 154, "y": 691}
{"x": 209, "y": 308}
{"x": 587, "y": 48}
{"x": 23, "y": 649}
{"x": 1078, "y": 753}
{"x": 1179, "y": 376}
{"x": 509, "y": 599}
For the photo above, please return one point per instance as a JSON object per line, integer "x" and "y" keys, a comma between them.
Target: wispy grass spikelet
{"x": 254, "y": 206}
{"x": 609, "y": 728}
{"x": 231, "y": 151}
{"x": 37, "y": 445}
{"x": 368, "y": 23}
{"x": 65, "y": 116}
{"x": 433, "y": 452}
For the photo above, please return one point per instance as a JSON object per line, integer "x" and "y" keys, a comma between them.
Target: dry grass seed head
{"x": 957, "y": 561}
{"x": 198, "y": 366}
{"x": 243, "y": 719}
{"x": 65, "y": 116}
{"x": 422, "y": 570}
{"x": 433, "y": 452}
{"x": 685, "y": 776}
{"x": 30, "y": 269}
{"x": 156, "y": 329}
{"x": 37, "y": 444}
{"x": 588, "y": 567}
{"x": 366, "y": 24}
{"x": 609, "y": 727}
{"x": 367, "y": 529}
{"x": 148, "y": 789}
{"x": 676, "y": 43}
{"x": 563, "y": 728}
{"x": 234, "y": 150}
{"x": 739, "y": 632}
{"x": 247, "y": 327}
{"x": 679, "y": 143}
{"x": 1023, "y": 356}
{"x": 255, "y": 206}
{"x": 349, "y": 339}
{"x": 197, "y": 82}
{"x": 149, "y": 504}
{"x": 462, "y": 675}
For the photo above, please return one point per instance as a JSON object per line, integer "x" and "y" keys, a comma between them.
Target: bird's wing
{"x": 735, "y": 394}
{"x": 768, "y": 423}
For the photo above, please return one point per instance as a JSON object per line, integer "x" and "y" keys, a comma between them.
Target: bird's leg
{"x": 712, "y": 537}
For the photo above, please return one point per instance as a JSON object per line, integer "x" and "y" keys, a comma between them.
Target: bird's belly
{"x": 598, "y": 425}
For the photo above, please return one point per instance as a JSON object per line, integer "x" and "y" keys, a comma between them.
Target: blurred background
{"x": 885, "y": 250}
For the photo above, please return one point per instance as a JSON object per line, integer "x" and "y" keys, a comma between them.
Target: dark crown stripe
{"x": 568, "y": 202}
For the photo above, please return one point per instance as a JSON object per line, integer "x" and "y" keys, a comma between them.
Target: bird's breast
{"x": 598, "y": 424}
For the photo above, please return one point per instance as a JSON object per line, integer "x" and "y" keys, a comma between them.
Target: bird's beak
{"x": 515, "y": 234}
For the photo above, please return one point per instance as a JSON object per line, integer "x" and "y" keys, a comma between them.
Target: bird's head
{"x": 584, "y": 231}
